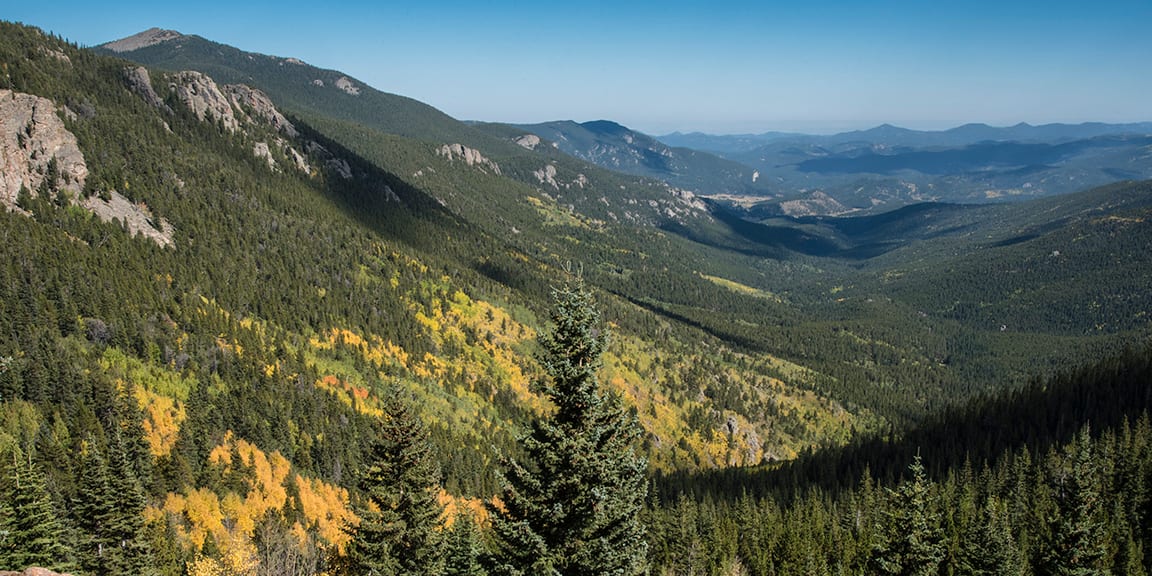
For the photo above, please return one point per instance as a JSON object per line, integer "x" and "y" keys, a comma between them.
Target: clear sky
{"x": 724, "y": 66}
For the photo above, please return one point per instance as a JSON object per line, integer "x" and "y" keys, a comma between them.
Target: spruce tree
{"x": 398, "y": 536}
{"x": 1078, "y": 545}
{"x": 913, "y": 545}
{"x": 574, "y": 506}
{"x": 463, "y": 548}
{"x": 109, "y": 510}
{"x": 31, "y": 533}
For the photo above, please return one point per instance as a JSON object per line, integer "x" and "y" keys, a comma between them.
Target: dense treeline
{"x": 1042, "y": 414}
{"x": 1079, "y": 508}
{"x": 1050, "y": 480}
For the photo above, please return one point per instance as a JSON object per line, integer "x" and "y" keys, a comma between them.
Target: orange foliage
{"x": 348, "y": 391}
{"x": 454, "y": 506}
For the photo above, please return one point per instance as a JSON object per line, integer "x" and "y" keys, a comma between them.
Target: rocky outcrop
{"x": 470, "y": 156}
{"x": 547, "y": 175}
{"x": 32, "y": 135}
{"x": 136, "y": 218}
{"x": 33, "y": 571}
{"x": 346, "y": 85}
{"x": 257, "y": 104}
{"x": 529, "y": 141}
{"x": 149, "y": 37}
{"x": 300, "y": 161}
{"x": 260, "y": 150}
{"x": 140, "y": 82}
{"x": 200, "y": 94}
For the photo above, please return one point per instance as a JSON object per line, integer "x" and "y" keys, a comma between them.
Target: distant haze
{"x": 658, "y": 67}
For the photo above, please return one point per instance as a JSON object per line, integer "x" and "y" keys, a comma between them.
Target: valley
{"x": 241, "y": 265}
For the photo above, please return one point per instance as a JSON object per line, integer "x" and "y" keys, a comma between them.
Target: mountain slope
{"x": 615, "y": 147}
{"x": 297, "y": 86}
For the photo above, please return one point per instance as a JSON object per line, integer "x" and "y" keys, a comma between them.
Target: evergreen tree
{"x": 109, "y": 510}
{"x": 31, "y": 533}
{"x": 575, "y": 509}
{"x": 1078, "y": 545}
{"x": 986, "y": 545}
{"x": 914, "y": 544}
{"x": 398, "y": 536}
{"x": 463, "y": 550}
{"x": 94, "y": 502}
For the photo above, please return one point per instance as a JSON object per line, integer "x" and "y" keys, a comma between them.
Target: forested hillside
{"x": 216, "y": 310}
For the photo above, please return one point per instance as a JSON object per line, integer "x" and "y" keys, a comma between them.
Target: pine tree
{"x": 575, "y": 509}
{"x": 110, "y": 511}
{"x": 399, "y": 535}
{"x": 1078, "y": 545}
{"x": 31, "y": 533}
{"x": 913, "y": 545}
{"x": 94, "y": 500}
{"x": 464, "y": 548}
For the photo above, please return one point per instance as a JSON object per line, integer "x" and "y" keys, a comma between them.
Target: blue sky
{"x": 724, "y": 67}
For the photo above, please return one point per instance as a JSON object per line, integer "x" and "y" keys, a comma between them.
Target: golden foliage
{"x": 162, "y": 418}
{"x": 237, "y": 558}
{"x": 454, "y": 506}
{"x": 232, "y": 518}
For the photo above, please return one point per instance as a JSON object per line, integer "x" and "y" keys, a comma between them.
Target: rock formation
{"x": 204, "y": 98}
{"x": 470, "y": 156}
{"x": 136, "y": 218}
{"x": 529, "y": 141}
{"x": 31, "y": 136}
{"x": 257, "y": 103}
{"x": 547, "y": 175}
{"x": 346, "y": 85}
{"x": 141, "y": 83}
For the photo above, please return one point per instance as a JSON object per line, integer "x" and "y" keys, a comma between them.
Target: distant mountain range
{"x": 886, "y": 134}
{"x": 866, "y": 171}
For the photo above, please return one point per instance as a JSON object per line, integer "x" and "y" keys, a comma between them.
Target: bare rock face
{"x": 201, "y": 94}
{"x": 261, "y": 150}
{"x": 547, "y": 175}
{"x": 31, "y": 136}
{"x": 470, "y": 156}
{"x": 529, "y": 141}
{"x": 300, "y": 161}
{"x": 33, "y": 571}
{"x": 136, "y": 218}
{"x": 259, "y": 105}
{"x": 149, "y": 37}
{"x": 141, "y": 83}
{"x": 346, "y": 85}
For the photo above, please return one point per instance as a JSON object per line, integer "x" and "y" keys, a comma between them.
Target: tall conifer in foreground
{"x": 574, "y": 506}
{"x": 31, "y": 532}
{"x": 398, "y": 536}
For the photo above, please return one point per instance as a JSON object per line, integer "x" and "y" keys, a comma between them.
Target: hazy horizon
{"x": 729, "y": 68}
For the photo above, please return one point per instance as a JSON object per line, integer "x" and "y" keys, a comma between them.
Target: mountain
{"x": 615, "y": 147}
{"x": 299, "y": 87}
{"x": 886, "y": 167}
{"x": 888, "y": 135}
{"x": 723, "y": 145}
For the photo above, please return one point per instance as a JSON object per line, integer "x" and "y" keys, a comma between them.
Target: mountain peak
{"x": 605, "y": 126}
{"x": 149, "y": 37}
